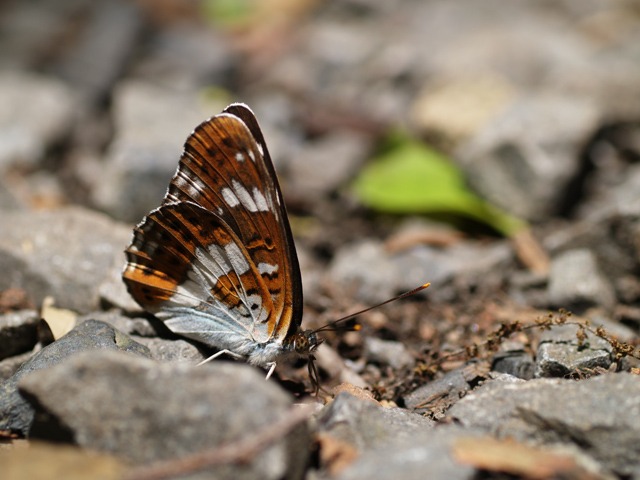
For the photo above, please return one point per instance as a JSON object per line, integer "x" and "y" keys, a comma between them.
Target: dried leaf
{"x": 511, "y": 457}
{"x": 59, "y": 320}
{"x": 335, "y": 454}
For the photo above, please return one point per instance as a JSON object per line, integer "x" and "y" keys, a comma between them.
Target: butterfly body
{"x": 216, "y": 261}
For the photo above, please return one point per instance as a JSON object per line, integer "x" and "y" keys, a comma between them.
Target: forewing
{"x": 226, "y": 169}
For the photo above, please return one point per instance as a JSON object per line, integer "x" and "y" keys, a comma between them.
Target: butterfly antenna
{"x": 333, "y": 325}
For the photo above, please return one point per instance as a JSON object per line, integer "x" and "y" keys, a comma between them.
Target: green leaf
{"x": 229, "y": 13}
{"x": 409, "y": 177}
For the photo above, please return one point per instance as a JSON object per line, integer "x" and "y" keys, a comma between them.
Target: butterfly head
{"x": 304, "y": 342}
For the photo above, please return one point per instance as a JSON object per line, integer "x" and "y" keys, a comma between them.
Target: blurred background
{"x": 370, "y": 109}
{"x": 98, "y": 96}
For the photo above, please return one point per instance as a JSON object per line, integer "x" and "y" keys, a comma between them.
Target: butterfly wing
{"x": 220, "y": 247}
{"x": 190, "y": 269}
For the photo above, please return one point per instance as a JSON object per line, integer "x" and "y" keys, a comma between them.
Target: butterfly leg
{"x": 272, "y": 367}
{"x": 217, "y": 354}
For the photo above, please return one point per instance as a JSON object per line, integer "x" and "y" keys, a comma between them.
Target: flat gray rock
{"x": 146, "y": 411}
{"x": 523, "y": 160}
{"x": 387, "y": 352}
{"x": 599, "y": 415}
{"x": 25, "y": 133}
{"x": 561, "y": 354}
{"x": 16, "y": 414}
{"x": 576, "y": 282}
{"x": 65, "y": 253}
{"x": 145, "y": 150}
{"x": 423, "y": 455}
{"x": 366, "y": 425}
{"x": 438, "y": 395}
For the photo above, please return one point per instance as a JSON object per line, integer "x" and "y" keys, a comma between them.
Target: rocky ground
{"x": 520, "y": 360}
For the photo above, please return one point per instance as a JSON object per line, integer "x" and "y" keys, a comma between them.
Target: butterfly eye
{"x": 313, "y": 340}
{"x": 301, "y": 343}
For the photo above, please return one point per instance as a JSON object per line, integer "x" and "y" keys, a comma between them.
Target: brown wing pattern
{"x": 174, "y": 253}
{"x": 226, "y": 170}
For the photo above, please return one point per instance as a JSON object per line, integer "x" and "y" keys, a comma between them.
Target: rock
{"x": 144, "y": 412}
{"x": 517, "y": 363}
{"x": 365, "y": 425}
{"x": 18, "y": 332}
{"x": 561, "y": 354}
{"x": 63, "y": 253}
{"x": 606, "y": 236}
{"x": 144, "y": 153}
{"x": 25, "y": 133}
{"x": 8, "y": 199}
{"x": 97, "y": 55}
{"x": 377, "y": 275}
{"x": 10, "y": 365}
{"x": 575, "y": 282}
{"x": 112, "y": 291}
{"x": 525, "y": 158}
{"x": 366, "y": 270}
{"x": 178, "y": 350}
{"x": 473, "y": 261}
{"x": 594, "y": 415}
{"x": 387, "y": 352}
{"x": 136, "y": 326}
{"x": 330, "y": 361}
{"x": 169, "y": 58}
{"x": 438, "y": 395}
{"x": 16, "y": 414}
{"x": 26, "y": 28}
{"x": 327, "y": 164}
{"x": 163, "y": 345}
{"x": 423, "y": 455}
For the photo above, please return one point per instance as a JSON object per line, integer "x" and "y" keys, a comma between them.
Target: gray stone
{"x": 475, "y": 262}
{"x": 96, "y": 58}
{"x": 366, "y": 425}
{"x": 112, "y": 291}
{"x": 63, "y": 253}
{"x": 374, "y": 274}
{"x": 8, "y": 199}
{"x": 16, "y": 414}
{"x": 151, "y": 333}
{"x": 616, "y": 258}
{"x": 575, "y": 282}
{"x": 18, "y": 332}
{"x": 517, "y": 363}
{"x": 525, "y": 158}
{"x": 9, "y": 366}
{"x": 326, "y": 164}
{"x": 144, "y": 411}
{"x": 387, "y": 352}
{"x": 27, "y": 29}
{"x": 177, "y": 350}
{"x": 561, "y": 354}
{"x": 423, "y": 455}
{"x": 136, "y": 326}
{"x": 438, "y": 395}
{"x": 25, "y": 133}
{"x": 144, "y": 153}
{"x": 596, "y": 415}
{"x": 169, "y": 58}
{"x": 624, "y": 197}
{"x": 366, "y": 270}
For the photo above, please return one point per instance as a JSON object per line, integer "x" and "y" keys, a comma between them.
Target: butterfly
{"x": 216, "y": 262}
